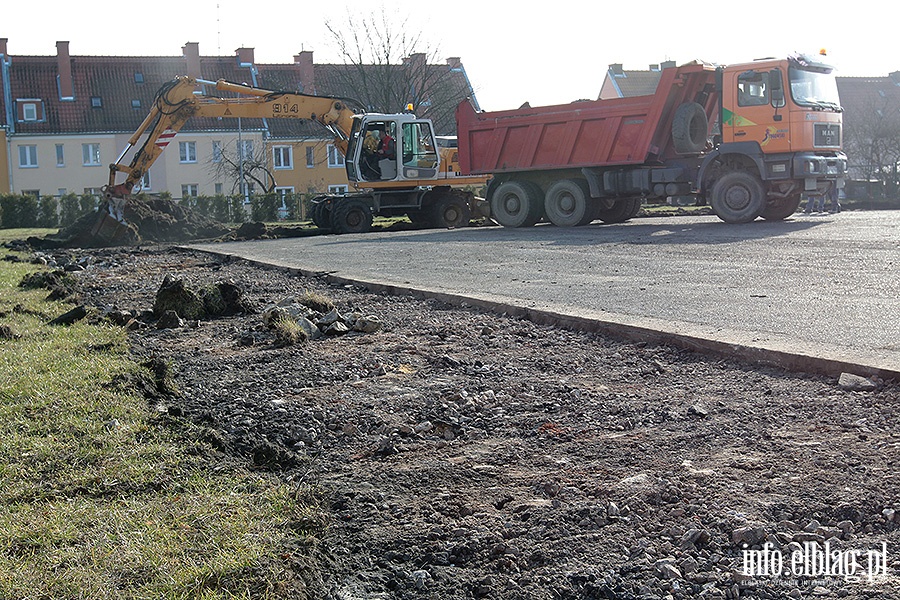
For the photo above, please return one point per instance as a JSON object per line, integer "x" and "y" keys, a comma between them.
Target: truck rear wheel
{"x": 621, "y": 211}
{"x": 567, "y": 203}
{"x": 738, "y": 197}
{"x": 351, "y": 216}
{"x": 517, "y": 204}
{"x": 781, "y": 209}
{"x": 690, "y": 128}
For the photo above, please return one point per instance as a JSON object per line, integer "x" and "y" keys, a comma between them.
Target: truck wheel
{"x": 690, "y": 128}
{"x": 351, "y": 216}
{"x": 451, "y": 210}
{"x": 780, "y": 210}
{"x": 517, "y": 204}
{"x": 621, "y": 211}
{"x": 738, "y": 197}
{"x": 567, "y": 203}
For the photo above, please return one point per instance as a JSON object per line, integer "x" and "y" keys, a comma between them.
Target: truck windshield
{"x": 814, "y": 88}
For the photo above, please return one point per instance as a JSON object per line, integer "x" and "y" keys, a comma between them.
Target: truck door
{"x": 756, "y": 112}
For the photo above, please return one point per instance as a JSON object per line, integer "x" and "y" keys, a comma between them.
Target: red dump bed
{"x": 619, "y": 131}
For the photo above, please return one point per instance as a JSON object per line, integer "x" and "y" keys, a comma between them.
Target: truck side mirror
{"x": 776, "y": 88}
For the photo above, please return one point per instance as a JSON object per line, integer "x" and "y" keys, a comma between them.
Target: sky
{"x": 552, "y": 54}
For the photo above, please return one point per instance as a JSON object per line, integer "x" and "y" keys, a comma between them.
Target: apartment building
{"x": 66, "y": 117}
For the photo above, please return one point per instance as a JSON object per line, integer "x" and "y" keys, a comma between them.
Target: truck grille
{"x": 827, "y": 135}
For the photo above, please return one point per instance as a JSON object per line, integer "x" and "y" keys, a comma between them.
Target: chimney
{"x": 191, "y": 53}
{"x": 244, "y": 57}
{"x": 616, "y": 69}
{"x": 304, "y": 64}
{"x": 669, "y": 64}
{"x": 454, "y": 63}
{"x": 654, "y": 67}
{"x": 3, "y": 46}
{"x": 64, "y": 70}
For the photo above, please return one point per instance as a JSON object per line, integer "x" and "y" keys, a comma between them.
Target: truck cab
{"x": 789, "y": 111}
{"x": 391, "y": 148}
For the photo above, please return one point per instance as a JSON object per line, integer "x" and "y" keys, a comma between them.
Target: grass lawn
{"x": 104, "y": 498}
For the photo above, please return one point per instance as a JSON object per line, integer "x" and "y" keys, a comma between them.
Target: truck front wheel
{"x": 567, "y": 203}
{"x": 738, "y": 197}
{"x": 517, "y": 204}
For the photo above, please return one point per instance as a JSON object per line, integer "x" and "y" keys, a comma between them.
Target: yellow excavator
{"x": 393, "y": 161}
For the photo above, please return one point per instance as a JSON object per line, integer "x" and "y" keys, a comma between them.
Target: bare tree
{"x": 872, "y": 140}
{"x": 387, "y": 65}
{"x": 254, "y": 168}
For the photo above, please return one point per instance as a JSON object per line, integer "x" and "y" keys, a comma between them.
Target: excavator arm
{"x": 178, "y": 101}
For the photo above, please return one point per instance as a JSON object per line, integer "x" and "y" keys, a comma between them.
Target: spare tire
{"x": 690, "y": 128}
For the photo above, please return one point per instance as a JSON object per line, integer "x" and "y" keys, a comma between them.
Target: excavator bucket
{"x": 110, "y": 232}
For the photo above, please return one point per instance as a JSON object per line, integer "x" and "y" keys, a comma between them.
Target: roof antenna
{"x": 218, "y": 32}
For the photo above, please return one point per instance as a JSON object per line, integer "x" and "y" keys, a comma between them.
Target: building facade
{"x": 65, "y": 118}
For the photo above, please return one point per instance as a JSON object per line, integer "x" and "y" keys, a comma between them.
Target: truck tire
{"x": 738, "y": 197}
{"x": 451, "y": 210}
{"x": 567, "y": 203}
{"x": 517, "y": 204}
{"x": 690, "y": 128}
{"x": 780, "y": 210}
{"x": 621, "y": 210}
{"x": 351, "y": 215}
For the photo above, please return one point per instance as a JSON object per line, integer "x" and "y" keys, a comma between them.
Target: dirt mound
{"x": 149, "y": 220}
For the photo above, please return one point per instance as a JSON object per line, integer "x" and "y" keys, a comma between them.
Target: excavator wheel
{"x": 451, "y": 210}
{"x": 351, "y": 215}
{"x": 321, "y": 214}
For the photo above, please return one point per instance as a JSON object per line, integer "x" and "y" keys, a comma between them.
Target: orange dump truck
{"x": 747, "y": 139}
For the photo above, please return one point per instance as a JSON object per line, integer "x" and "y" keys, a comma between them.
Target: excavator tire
{"x": 321, "y": 214}
{"x": 351, "y": 215}
{"x": 451, "y": 210}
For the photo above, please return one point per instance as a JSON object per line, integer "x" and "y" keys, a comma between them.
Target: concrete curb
{"x": 740, "y": 346}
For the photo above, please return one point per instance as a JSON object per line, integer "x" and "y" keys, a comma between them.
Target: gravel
{"x": 460, "y": 454}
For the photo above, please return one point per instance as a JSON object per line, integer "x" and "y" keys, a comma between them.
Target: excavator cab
{"x": 396, "y": 148}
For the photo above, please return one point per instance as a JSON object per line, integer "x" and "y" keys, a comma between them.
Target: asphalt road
{"x": 823, "y": 286}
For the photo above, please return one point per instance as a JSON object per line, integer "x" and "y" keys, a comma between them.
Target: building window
{"x": 136, "y": 104}
{"x": 187, "y": 151}
{"x": 245, "y": 149}
{"x": 95, "y": 192}
{"x": 61, "y": 192}
{"x": 28, "y": 157}
{"x": 190, "y": 190}
{"x": 335, "y": 158}
{"x": 96, "y": 102}
{"x": 144, "y": 184}
{"x": 283, "y": 157}
{"x": 219, "y": 189}
{"x": 337, "y": 189}
{"x": 310, "y": 157}
{"x": 217, "y": 151}
{"x": 60, "y": 156}
{"x": 139, "y": 78}
{"x": 29, "y": 112}
{"x": 90, "y": 155}
{"x": 33, "y": 193}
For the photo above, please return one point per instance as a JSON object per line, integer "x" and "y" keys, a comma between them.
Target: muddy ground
{"x": 459, "y": 454}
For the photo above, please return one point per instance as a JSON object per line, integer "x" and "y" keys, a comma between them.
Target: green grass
{"x": 101, "y": 498}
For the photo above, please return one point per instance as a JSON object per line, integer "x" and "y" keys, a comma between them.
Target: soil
{"x": 459, "y": 454}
